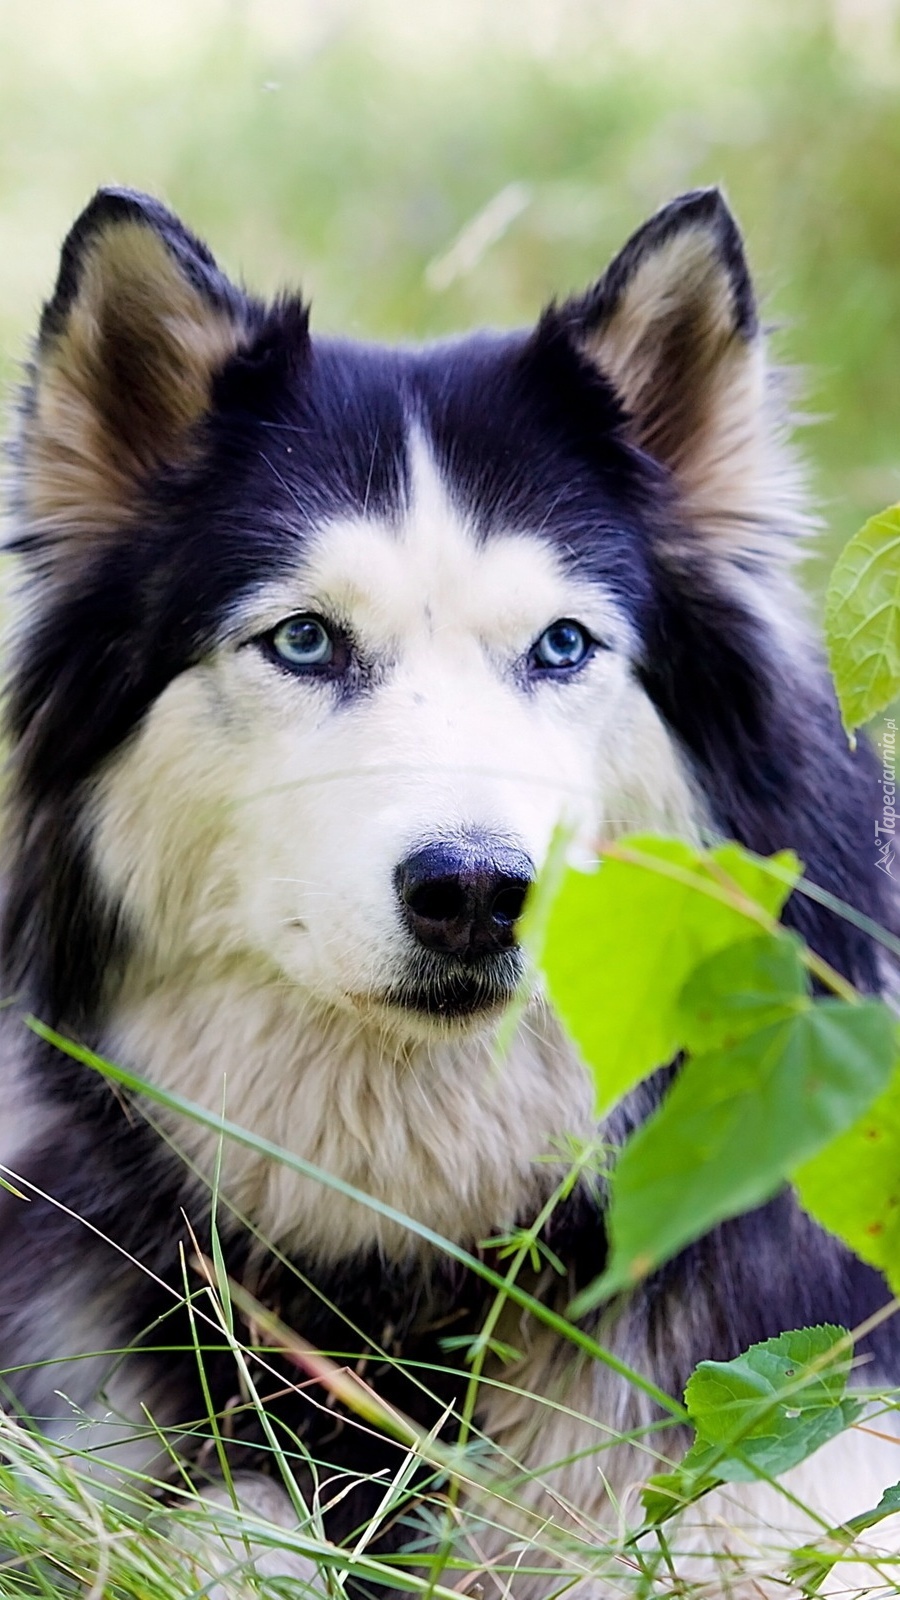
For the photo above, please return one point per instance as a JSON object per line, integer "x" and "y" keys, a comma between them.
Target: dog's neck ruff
{"x": 441, "y": 1130}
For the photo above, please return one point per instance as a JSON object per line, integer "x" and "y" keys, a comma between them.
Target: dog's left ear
{"x": 672, "y": 325}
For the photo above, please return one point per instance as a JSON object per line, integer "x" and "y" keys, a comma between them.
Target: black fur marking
{"x": 747, "y": 1277}
{"x": 492, "y": 403}
{"x": 775, "y": 766}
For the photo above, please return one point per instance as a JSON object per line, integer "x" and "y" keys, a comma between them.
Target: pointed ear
{"x": 140, "y": 323}
{"x": 672, "y": 325}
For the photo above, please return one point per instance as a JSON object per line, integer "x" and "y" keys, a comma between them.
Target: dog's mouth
{"x": 451, "y": 989}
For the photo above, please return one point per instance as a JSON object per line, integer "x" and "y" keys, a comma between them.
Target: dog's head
{"x": 320, "y": 641}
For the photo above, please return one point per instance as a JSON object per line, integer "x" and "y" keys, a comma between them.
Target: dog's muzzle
{"x": 461, "y": 901}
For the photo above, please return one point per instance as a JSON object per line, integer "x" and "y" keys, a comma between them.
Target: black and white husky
{"x": 317, "y": 642}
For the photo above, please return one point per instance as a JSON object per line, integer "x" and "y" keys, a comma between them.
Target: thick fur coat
{"x": 316, "y": 642}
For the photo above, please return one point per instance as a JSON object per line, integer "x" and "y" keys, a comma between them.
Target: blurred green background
{"x": 421, "y": 167}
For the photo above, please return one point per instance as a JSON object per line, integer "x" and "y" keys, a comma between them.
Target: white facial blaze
{"x": 258, "y": 815}
{"x": 252, "y": 832}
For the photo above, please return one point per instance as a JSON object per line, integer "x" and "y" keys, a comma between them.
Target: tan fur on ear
{"x": 677, "y": 309}
{"x": 702, "y": 398}
{"x": 119, "y": 386}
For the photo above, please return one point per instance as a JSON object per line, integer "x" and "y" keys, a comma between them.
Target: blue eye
{"x": 561, "y": 647}
{"x": 304, "y": 643}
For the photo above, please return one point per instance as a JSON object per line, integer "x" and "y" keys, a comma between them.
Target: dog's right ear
{"x": 672, "y": 327}
{"x": 140, "y": 323}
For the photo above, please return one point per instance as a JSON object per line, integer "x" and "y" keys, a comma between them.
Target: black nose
{"x": 464, "y": 898}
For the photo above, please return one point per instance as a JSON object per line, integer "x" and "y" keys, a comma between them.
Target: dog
{"x": 315, "y": 644}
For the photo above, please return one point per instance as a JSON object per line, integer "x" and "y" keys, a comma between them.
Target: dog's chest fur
{"x": 425, "y": 1129}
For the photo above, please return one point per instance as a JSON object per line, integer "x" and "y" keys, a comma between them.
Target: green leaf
{"x": 622, "y": 941}
{"x": 733, "y": 1126}
{"x": 853, "y": 1187}
{"x": 812, "y": 1565}
{"x": 666, "y": 1493}
{"x": 741, "y": 989}
{"x": 862, "y": 620}
{"x": 760, "y": 1414}
{"x": 777, "y": 1450}
{"x": 725, "y": 1399}
{"x": 889, "y": 1502}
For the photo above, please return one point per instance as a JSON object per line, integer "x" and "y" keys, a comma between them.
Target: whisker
{"x": 371, "y": 470}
